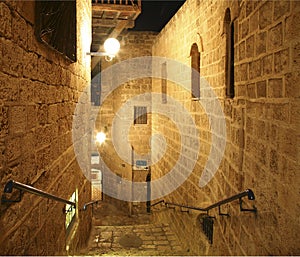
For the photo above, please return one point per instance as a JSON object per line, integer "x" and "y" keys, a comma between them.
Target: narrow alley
{"x": 198, "y": 121}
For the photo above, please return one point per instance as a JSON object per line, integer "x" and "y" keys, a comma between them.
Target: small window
{"x": 164, "y": 83}
{"x": 229, "y": 58}
{"x": 71, "y": 212}
{"x": 140, "y": 115}
{"x": 195, "y": 74}
{"x": 96, "y": 85}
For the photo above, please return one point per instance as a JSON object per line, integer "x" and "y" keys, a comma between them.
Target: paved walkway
{"x": 137, "y": 236}
{"x": 147, "y": 239}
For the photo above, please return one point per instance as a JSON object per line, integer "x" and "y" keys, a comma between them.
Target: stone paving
{"x": 146, "y": 239}
{"x": 137, "y": 236}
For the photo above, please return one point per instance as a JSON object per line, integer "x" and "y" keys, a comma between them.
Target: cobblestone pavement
{"x": 116, "y": 234}
{"x": 146, "y": 239}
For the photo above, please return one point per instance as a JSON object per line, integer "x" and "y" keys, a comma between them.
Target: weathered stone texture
{"x": 37, "y": 101}
{"x": 262, "y": 123}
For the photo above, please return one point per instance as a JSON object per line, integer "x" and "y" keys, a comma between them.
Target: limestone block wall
{"x": 133, "y": 44}
{"x": 262, "y": 125}
{"x": 39, "y": 90}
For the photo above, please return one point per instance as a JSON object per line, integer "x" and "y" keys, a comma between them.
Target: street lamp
{"x": 111, "y": 47}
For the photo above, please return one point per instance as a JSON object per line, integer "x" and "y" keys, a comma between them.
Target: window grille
{"x": 140, "y": 115}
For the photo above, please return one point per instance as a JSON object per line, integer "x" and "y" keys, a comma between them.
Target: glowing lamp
{"x": 100, "y": 137}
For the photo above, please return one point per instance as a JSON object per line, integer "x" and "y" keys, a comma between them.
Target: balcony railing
{"x": 120, "y": 2}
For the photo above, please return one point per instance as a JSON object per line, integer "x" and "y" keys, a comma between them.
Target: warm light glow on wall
{"x": 85, "y": 34}
{"x": 100, "y": 137}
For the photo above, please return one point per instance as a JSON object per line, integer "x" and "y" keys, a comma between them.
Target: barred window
{"x": 140, "y": 115}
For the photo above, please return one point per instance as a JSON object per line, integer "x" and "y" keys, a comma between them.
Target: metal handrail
{"x": 90, "y": 203}
{"x": 26, "y": 188}
{"x": 247, "y": 192}
{"x": 161, "y": 201}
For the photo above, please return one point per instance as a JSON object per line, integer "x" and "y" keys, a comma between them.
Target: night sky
{"x": 156, "y": 14}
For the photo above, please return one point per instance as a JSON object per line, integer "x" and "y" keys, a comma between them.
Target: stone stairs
{"x": 118, "y": 234}
{"x": 138, "y": 240}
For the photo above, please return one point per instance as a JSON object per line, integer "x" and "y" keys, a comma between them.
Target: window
{"x": 195, "y": 74}
{"x": 96, "y": 85}
{"x": 71, "y": 211}
{"x": 229, "y": 58}
{"x": 56, "y": 26}
{"x": 164, "y": 83}
{"x": 140, "y": 115}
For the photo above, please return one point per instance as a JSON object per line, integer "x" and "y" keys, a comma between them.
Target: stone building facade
{"x": 262, "y": 123}
{"x": 39, "y": 90}
{"x": 133, "y": 44}
{"x": 247, "y": 53}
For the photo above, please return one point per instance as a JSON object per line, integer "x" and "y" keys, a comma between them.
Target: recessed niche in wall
{"x": 55, "y": 26}
{"x": 229, "y": 57}
{"x": 195, "y": 75}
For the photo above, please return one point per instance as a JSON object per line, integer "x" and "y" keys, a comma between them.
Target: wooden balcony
{"x": 111, "y": 17}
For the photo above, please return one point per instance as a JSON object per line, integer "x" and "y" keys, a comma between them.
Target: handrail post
{"x": 84, "y": 208}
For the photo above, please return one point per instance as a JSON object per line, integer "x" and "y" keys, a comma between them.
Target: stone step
{"x": 139, "y": 240}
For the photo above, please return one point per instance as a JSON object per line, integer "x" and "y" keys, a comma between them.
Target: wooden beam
{"x": 118, "y": 29}
{"x": 110, "y": 23}
{"x": 115, "y": 8}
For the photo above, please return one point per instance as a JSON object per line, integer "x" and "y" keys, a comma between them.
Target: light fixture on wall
{"x": 111, "y": 47}
{"x": 100, "y": 137}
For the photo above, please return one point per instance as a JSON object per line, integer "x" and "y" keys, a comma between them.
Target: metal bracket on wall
{"x": 223, "y": 214}
{"x": 245, "y": 209}
{"x": 8, "y": 189}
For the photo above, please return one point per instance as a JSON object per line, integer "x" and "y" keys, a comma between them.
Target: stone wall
{"x": 39, "y": 91}
{"x": 133, "y": 44}
{"x": 262, "y": 125}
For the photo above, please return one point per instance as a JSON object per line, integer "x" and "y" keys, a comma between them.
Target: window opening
{"x": 55, "y": 26}
{"x": 195, "y": 74}
{"x": 229, "y": 58}
{"x": 140, "y": 115}
{"x": 96, "y": 85}
{"x": 71, "y": 211}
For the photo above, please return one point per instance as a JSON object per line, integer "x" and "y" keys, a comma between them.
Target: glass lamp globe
{"x": 111, "y": 46}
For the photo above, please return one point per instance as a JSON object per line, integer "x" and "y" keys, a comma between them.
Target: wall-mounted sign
{"x": 141, "y": 165}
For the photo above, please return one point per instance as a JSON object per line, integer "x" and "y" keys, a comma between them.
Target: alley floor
{"x": 116, "y": 234}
